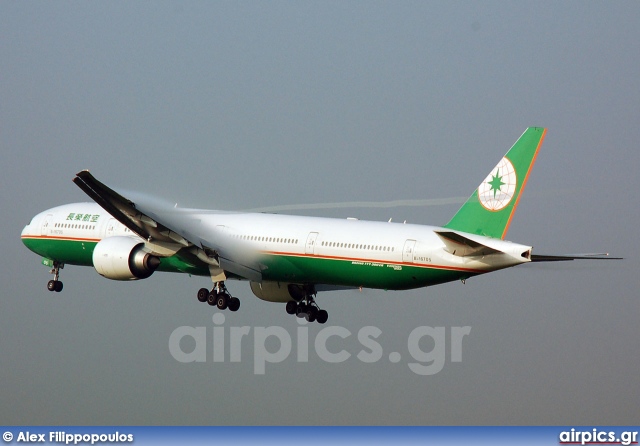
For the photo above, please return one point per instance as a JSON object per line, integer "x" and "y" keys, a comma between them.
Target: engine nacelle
{"x": 123, "y": 258}
{"x": 279, "y": 291}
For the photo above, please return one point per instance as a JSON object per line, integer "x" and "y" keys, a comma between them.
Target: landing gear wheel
{"x": 203, "y": 294}
{"x": 219, "y": 297}
{"x": 306, "y": 306}
{"x": 311, "y": 313}
{"x": 322, "y": 316}
{"x": 222, "y": 301}
{"x": 234, "y": 304}
{"x": 292, "y": 306}
{"x": 55, "y": 284}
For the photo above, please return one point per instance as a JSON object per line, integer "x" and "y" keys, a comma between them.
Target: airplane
{"x": 286, "y": 258}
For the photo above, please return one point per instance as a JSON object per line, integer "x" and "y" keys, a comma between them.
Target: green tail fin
{"x": 490, "y": 209}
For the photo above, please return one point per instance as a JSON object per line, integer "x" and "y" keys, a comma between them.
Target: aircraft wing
{"x": 126, "y": 211}
{"x": 172, "y": 231}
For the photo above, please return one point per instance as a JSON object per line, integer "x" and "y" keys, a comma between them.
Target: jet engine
{"x": 123, "y": 258}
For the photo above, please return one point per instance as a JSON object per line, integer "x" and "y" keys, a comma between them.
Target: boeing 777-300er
{"x": 287, "y": 258}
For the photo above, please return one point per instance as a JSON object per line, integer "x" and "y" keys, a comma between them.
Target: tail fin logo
{"x": 497, "y": 190}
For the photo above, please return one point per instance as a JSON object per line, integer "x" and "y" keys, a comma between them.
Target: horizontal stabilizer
{"x": 462, "y": 246}
{"x": 546, "y": 258}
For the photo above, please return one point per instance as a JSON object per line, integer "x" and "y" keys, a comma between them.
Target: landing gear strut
{"x": 307, "y": 308}
{"x": 219, "y": 296}
{"x": 55, "y": 284}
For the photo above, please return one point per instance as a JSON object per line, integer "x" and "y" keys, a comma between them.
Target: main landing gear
{"x": 219, "y": 297}
{"x": 55, "y": 284}
{"x": 308, "y": 309}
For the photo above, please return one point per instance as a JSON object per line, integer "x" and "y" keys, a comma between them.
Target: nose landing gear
{"x": 55, "y": 284}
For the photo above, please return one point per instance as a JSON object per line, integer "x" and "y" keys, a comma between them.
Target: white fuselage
{"x": 301, "y": 244}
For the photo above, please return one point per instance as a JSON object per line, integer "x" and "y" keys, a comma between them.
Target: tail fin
{"x": 489, "y": 210}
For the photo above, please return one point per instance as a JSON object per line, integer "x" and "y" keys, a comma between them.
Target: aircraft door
{"x": 111, "y": 227}
{"x": 408, "y": 251}
{"x": 46, "y": 223}
{"x": 311, "y": 243}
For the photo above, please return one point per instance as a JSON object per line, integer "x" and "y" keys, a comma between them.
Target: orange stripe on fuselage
{"x": 53, "y": 237}
{"x": 389, "y": 262}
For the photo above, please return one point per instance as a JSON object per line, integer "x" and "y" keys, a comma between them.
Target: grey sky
{"x": 238, "y": 105}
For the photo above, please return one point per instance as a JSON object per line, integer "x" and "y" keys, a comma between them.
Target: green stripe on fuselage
{"x": 80, "y": 252}
{"x": 355, "y": 273}
{"x": 280, "y": 267}
{"x": 68, "y": 251}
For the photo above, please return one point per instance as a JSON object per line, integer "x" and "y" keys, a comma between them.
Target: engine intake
{"x": 123, "y": 258}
